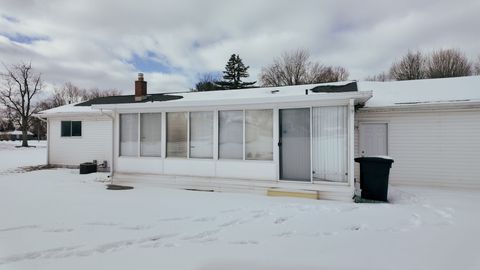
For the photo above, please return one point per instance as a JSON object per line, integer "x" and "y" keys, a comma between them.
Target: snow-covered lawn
{"x": 58, "y": 219}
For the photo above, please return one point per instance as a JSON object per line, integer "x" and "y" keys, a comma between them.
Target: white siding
{"x": 95, "y": 142}
{"x": 439, "y": 148}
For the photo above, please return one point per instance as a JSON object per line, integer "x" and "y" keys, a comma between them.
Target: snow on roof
{"x": 69, "y": 109}
{"x": 429, "y": 91}
{"x": 385, "y": 94}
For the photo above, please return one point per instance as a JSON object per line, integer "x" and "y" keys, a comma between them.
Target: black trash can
{"x": 374, "y": 172}
{"x": 88, "y": 167}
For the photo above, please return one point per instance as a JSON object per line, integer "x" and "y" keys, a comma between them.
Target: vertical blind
{"x": 230, "y": 134}
{"x": 259, "y": 134}
{"x": 329, "y": 143}
{"x": 150, "y": 134}
{"x": 129, "y": 134}
{"x": 201, "y": 134}
{"x": 177, "y": 134}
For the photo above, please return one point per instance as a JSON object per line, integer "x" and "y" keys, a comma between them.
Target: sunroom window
{"x": 230, "y": 144}
{"x": 129, "y": 134}
{"x": 177, "y": 125}
{"x": 259, "y": 134}
{"x": 150, "y": 134}
{"x": 201, "y": 134}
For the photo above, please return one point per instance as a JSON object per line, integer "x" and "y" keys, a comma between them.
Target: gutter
{"x": 423, "y": 107}
{"x": 360, "y": 96}
{"x": 112, "y": 169}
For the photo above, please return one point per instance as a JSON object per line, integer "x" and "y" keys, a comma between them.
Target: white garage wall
{"x": 431, "y": 148}
{"x": 95, "y": 142}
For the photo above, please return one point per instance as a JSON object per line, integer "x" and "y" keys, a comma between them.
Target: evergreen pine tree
{"x": 235, "y": 70}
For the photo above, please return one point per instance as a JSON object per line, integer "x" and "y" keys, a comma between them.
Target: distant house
{"x": 15, "y": 135}
{"x": 293, "y": 138}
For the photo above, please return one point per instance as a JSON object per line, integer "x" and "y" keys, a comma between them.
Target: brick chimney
{"x": 140, "y": 88}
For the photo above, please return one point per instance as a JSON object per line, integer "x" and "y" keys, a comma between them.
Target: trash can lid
{"x": 385, "y": 159}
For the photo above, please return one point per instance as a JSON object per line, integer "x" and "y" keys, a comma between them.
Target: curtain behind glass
{"x": 259, "y": 134}
{"x": 150, "y": 134}
{"x": 129, "y": 134}
{"x": 177, "y": 134}
{"x": 329, "y": 143}
{"x": 230, "y": 134}
{"x": 201, "y": 134}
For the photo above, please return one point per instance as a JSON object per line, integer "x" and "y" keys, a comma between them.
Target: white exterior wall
{"x": 438, "y": 148}
{"x": 94, "y": 144}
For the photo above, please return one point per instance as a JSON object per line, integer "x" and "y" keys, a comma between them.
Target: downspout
{"x": 48, "y": 136}
{"x": 112, "y": 170}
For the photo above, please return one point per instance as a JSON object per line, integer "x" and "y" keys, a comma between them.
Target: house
{"x": 15, "y": 135}
{"x": 294, "y": 138}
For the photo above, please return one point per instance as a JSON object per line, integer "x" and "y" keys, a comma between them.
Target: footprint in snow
{"x": 58, "y": 230}
{"x": 244, "y": 242}
{"x": 19, "y": 228}
{"x": 204, "y": 219}
{"x": 280, "y": 220}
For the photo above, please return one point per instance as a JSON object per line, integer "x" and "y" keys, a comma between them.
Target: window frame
{"x": 70, "y": 134}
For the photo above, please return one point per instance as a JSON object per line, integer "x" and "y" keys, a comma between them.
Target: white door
{"x": 373, "y": 139}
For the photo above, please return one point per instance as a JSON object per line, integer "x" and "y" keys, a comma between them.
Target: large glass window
{"x": 230, "y": 134}
{"x": 129, "y": 134}
{"x": 151, "y": 134}
{"x": 259, "y": 134}
{"x": 177, "y": 134}
{"x": 201, "y": 134}
{"x": 329, "y": 143}
{"x": 71, "y": 128}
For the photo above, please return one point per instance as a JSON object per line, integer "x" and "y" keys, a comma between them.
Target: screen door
{"x": 295, "y": 144}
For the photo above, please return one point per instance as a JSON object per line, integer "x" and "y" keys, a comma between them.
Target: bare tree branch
{"x": 294, "y": 68}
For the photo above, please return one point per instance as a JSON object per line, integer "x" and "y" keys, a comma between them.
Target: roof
{"x": 385, "y": 94}
{"x": 422, "y": 92}
{"x": 128, "y": 99}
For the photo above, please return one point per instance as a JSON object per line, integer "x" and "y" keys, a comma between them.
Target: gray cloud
{"x": 93, "y": 43}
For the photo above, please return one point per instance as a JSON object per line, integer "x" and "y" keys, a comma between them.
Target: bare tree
{"x": 207, "y": 82}
{"x": 294, "y": 68}
{"x": 448, "y": 63}
{"x": 380, "y": 77}
{"x": 20, "y": 83}
{"x": 477, "y": 66}
{"x": 98, "y": 93}
{"x": 410, "y": 67}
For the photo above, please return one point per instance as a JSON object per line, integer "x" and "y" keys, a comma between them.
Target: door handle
{"x": 279, "y": 144}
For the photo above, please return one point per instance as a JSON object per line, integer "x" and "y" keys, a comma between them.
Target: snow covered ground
{"x": 58, "y": 219}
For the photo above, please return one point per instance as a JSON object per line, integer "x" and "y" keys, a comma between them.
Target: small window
{"x": 71, "y": 128}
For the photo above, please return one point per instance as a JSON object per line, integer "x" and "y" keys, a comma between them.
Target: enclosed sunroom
{"x": 290, "y": 138}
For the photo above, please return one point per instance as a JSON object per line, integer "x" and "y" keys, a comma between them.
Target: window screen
{"x": 177, "y": 134}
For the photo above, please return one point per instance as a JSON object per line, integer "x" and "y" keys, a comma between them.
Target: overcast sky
{"x": 105, "y": 43}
